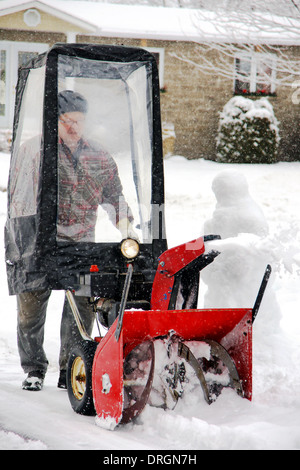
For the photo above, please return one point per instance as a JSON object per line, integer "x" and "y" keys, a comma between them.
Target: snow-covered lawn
{"x": 45, "y": 420}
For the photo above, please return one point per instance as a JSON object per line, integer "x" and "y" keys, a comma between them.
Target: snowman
{"x": 233, "y": 279}
{"x": 236, "y": 212}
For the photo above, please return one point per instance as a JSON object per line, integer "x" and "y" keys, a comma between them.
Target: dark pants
{"x": 32, "y": 307}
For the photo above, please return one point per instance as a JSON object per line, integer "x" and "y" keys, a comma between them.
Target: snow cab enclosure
{"x": 86, "y": 215}
{"x": 65, "y": 215}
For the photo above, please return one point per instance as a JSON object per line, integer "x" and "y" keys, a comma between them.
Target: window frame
{"x": 255, "y": 59}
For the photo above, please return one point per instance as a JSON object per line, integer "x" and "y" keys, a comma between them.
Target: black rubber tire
{"x": 79, "y": 377}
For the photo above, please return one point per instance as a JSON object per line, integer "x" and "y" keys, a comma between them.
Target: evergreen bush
{"x": 248, "y": 132}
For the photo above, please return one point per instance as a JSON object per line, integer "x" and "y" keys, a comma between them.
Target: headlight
{"x": 130, "y": 248}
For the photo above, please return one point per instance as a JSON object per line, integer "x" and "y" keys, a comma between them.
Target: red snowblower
{"x": 153, "y": 343}
{"x": 114, "y": 375}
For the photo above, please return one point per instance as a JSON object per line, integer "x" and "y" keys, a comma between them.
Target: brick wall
{"x": 192, "y": 101}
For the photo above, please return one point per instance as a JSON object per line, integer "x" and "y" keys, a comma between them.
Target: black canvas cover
{"x": 45, "y": 246}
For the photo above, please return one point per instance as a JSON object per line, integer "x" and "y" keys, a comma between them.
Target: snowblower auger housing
{"x": 88, "y": 218}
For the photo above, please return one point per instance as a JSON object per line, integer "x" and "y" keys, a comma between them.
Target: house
{"x": 197, "y": 77}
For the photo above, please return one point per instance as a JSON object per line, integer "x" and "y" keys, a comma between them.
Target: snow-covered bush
{"x": 248, "y": 132}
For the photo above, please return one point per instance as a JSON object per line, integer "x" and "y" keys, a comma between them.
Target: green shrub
{"x": 248, "y": 132}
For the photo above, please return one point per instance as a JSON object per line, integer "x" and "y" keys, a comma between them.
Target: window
{"x": 24, "y": 57}
{"x": 119, "y": 120}
{"x": 24, "y": 172}
{"x": 32, "y": 17}
{"x": 255, "y": 74}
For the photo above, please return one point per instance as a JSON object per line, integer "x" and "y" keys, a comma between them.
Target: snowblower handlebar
{"x": 261, "y": 292}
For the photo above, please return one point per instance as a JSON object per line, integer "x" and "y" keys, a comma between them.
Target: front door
{"x": 12, "y": 55}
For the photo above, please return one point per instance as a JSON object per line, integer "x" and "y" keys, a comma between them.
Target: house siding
{"x": 47, "y": 23}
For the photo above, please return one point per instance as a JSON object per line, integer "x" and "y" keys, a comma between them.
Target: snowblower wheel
{"x": 79, "y": 377}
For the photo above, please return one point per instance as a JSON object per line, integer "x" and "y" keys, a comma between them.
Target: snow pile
{"x": 245, "y": 252}
{"x": 200, "y": 197}
{"x": 11, "y": 441}
{"x": 248, "y": 132}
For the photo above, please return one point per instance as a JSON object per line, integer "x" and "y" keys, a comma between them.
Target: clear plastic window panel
{"x": 26, "y": 156}
{"x": 104, "y": 180}
{"x": 25, "y": 56}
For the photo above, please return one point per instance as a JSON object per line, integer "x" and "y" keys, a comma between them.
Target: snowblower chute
{"x": 86, "y": 215}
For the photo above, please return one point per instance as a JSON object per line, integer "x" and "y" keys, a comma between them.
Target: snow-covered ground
{"x": 268, "y": 214}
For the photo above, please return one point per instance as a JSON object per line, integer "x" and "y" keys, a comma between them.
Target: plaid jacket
{"x": 87, "y": 178}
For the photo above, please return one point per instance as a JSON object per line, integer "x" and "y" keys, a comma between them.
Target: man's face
{"x": 70, "y": 126}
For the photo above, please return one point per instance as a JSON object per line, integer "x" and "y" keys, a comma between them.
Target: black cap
{"x": 70, "y": 101}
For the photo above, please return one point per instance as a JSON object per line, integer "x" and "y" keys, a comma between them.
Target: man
{"x": 87, "y": 177}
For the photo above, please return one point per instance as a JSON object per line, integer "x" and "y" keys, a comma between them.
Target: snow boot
{"x": 34, "y": 381}
{"x": 62, "y": 381}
